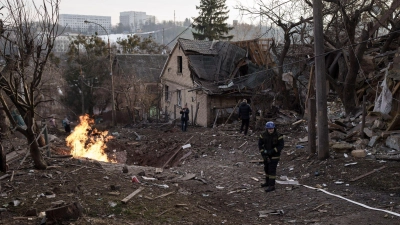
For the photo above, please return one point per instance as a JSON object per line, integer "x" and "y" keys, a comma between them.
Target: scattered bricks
{"x": 359, "y": 153}
{"x": 336, "y": 135}
{"x": 65, "y": 213}
{"x": 373, "y": 141}
{"x": 361, "y": 143}
{"x": 368, "y": 132}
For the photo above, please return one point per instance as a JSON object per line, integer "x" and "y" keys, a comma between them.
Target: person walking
{"x": 67, "y": 125}
{"x": 244, "y": 115}
{"x": 270, "y": 145}
{"x": 184, "y": 117}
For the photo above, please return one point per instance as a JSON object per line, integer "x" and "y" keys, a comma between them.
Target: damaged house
{"x": 211, "y": 77}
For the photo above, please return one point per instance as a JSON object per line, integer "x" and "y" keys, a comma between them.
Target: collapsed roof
{"x": 220, "y": 67}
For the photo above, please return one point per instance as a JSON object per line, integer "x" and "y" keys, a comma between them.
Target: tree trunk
{"x": 36, "y": 155}
{"x": 355, "y": 59}
{"x": 4, "y": 123}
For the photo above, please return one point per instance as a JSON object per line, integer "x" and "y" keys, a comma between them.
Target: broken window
{"x": 178, "y": 94}
{"x": 166, "y": 92}
{"x": 179, "y": 64}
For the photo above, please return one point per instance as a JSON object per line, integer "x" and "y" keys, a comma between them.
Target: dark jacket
{"x": 184, "y": 114}
{"x": 244, "y": 111}
{"x": 270, "y": 142}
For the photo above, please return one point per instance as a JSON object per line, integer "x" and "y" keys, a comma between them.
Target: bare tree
{"x": 283, "y": 15}
{"x": 352, "y": 25}
{"x": 27, "y": 38}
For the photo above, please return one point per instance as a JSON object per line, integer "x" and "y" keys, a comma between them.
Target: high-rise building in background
{"x": 135, "y": 20}
{"x": 76, "y": 23}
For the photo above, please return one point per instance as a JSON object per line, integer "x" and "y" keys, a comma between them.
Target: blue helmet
{"x": 270, "y": 125}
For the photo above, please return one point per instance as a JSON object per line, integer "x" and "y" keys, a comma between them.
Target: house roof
{"x": 220, "y": 67}
{"x": 200, "y": 47}
{"x": 212, "y": 60}
{"x": 145, "y": 67}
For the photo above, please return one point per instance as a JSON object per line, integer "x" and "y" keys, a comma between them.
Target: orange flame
{"x": 88, "y": 147}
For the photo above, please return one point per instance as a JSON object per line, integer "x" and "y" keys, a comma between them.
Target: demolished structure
{"x": 211, "y": 77}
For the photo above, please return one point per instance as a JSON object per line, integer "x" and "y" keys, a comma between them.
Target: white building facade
{"x": 135, "y": 20}
{"x": 76, "y": 23}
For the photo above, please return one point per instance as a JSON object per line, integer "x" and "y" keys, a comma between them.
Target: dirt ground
{"x": 214, "y": 181}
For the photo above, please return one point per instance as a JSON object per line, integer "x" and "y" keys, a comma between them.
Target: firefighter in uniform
{"x": 270, "y": 145}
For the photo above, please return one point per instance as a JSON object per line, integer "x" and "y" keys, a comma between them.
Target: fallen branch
{"x": 204, "y": 208}
{"x": 243, "y": 144}
{"x": 164, "y": 212}
{"x": 364, "y": 175}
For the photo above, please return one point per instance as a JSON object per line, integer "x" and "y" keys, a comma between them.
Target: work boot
{"x": 270, "y": 188}
{"x": 266, "y": 182}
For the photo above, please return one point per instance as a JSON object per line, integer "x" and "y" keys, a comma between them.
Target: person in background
{"x": 184, "y": 117}
{"x": 67, "y": 125}
{"x": 244, "y": 115}
{"x": 270, "y": 145}
{"x": 52, "y": 122}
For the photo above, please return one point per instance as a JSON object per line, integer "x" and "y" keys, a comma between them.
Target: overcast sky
{"x": 162, "y": 9}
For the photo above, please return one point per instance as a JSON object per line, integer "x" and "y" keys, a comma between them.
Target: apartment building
{"x": 135, "y": 20}
{"x": 77, "y": 24}
{"x": 61, "y": 43}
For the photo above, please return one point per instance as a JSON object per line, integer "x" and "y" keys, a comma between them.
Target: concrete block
{"x": 393, "y": 141}
{"x": 373, "y": 141}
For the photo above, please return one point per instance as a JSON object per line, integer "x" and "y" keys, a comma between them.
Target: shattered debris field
{"x": 214, "y": 179}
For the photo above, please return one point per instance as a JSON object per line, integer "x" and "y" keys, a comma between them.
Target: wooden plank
{"x": 232, "y": 112}
{"x": 164, "y": 195}
{"x": 256, "y": 161}
{"x": 127, "y": 198}
{"x": 336, "y": 127}
{"x": 4, "y": 176}
{"x": 395, "y": 123}
{"x": 165, "y": 164}
{"x": 216, "y": 117}
{"x": 12, "y": 156}
{"x": 396, "y": 88}
{"x": 388, "y": 157}
{"x": 371, "y": 172}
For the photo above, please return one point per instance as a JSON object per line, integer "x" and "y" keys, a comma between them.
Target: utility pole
{"x": 82, "y": 94}
{"x": 320, "y": 82}
{"x": 260, "y": 21}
